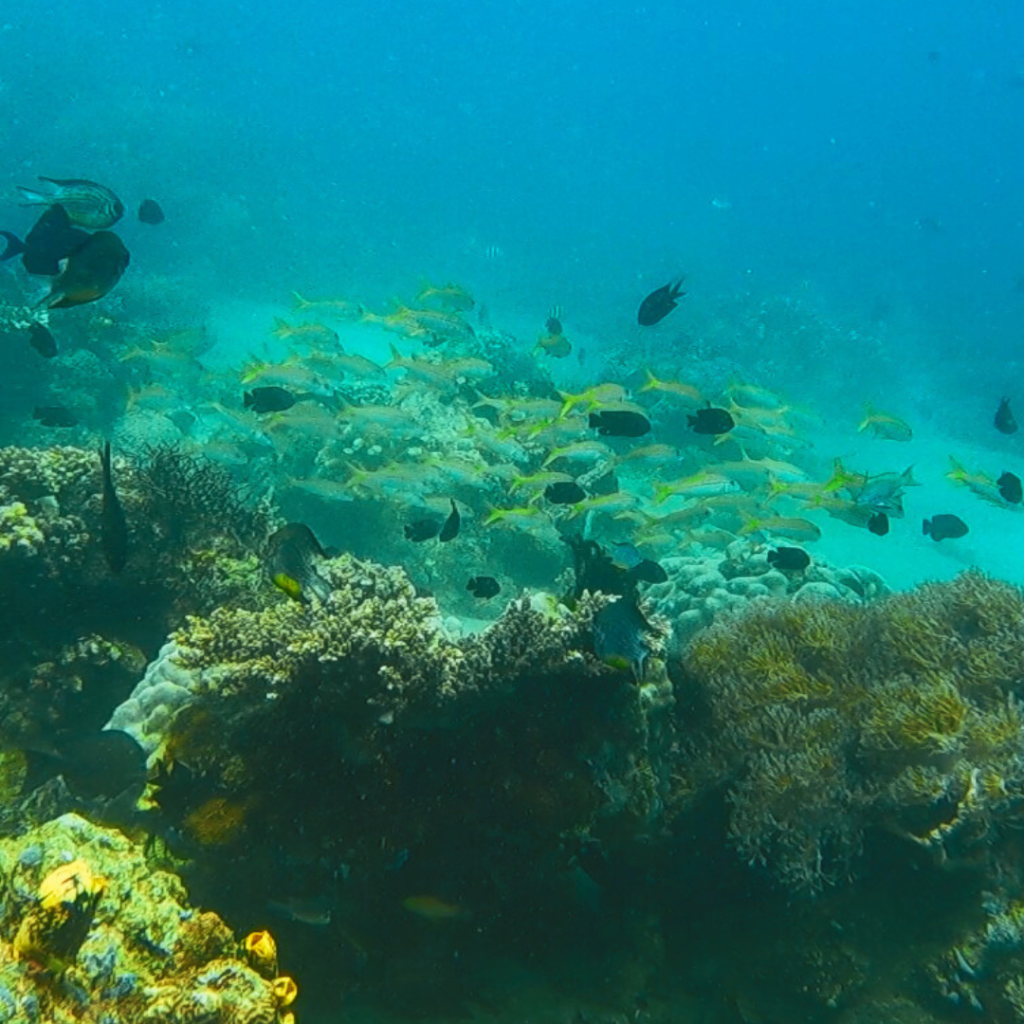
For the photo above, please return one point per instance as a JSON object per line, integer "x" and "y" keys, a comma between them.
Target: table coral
{"x": 89, "y": 932}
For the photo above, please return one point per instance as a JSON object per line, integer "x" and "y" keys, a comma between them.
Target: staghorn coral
{"x": 831, "y": 719}
{"x": 89, "y": 933}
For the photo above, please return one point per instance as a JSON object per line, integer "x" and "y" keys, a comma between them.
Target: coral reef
{"x": 828, "y": 719}
{"x": 701, "y": 587}
{"x": 70, "y": 652}
{"x": 89, "y": 932}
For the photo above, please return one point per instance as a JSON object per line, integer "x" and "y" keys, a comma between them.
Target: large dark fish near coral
{"x": 40, "y": 338}
{"x": 1010, "y": 488}
{"x": 620, "y": 423}
{"x": 88, "y": 204}
{"x": 711, "y": 421}
{"x": 54, "y": 416}
{"x": 659, "y": 303}
{"x": 450, "y": 530}
{"x": 484, "y": 587}
{"x": 268, "y": 399}
{"x": 51, "y": 239}
{"x": 92, "y": 270}
{"x": 1004, "y": 421}
{"x": 150, "y": 212}
{"x": 292, "y": 556}
{"x": 113, "y": 525}
{"x": 102, "y": 765}
{"x": 944, "y": 527}
{"x": 789, "y": 559}
{"x": 620, "y": 640}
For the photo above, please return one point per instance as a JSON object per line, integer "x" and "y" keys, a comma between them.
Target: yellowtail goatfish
{"x": 113, "y": 525}
{"x": 88, "y": 204}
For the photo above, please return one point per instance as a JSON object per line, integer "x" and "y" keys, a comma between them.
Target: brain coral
{"x": 826, "y": 719}
{"x": 142, "y": 953}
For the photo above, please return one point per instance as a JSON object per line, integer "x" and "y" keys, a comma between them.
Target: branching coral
{"x": 836, "y": 718}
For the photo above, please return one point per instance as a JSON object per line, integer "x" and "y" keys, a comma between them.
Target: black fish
{"x": 54, "y": 416}
{"x": 150, "y": 212}
{"x": 450, "y": 530}
{"x": 944, "y": 527}
{"x": 620, "y": 423}
{"x": 648, "y": 571}
{"x": 421, "y": 529}
{"x": 1010, "y": 488}
{"x": 484, "y": 587}
{"x": 565, "y": 492}
{"x": 113, "y": 525}
{"x": 659, "y": 304}
{"x": 91, "y": 271}
{"x": 42, "y": 341}
{"x": 787, "y": 559}
{"x": 88, "y": 204}
{"x": 50, "y": 240}
{"x": 291, "y": 558}
{"x": 711, "y": 421}
{"x": 878, "y": 524}
{"x": 1004, "y": 421}
{"x": 103, "y": 765}
{"x": 620, "y": 636}
{"x": 268, "y": 399}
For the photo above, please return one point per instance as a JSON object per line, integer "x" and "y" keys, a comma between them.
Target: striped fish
{"x": 88, "y": 205}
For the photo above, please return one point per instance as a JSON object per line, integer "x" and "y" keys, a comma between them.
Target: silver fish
{"x": 88, "y": 204}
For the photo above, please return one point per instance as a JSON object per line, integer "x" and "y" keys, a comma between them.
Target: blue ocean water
{"x": 842, "y": 186}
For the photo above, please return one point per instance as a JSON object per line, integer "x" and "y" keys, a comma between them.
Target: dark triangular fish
{"x": 150, "y": 212}
{"x": 620, "y": 423}
{"x": 291, "y": 558}
{"x": 54, "y": 416}
{"x": 564, "y": 492}
{"x": 711, "y": 421}
{"x": 91, "y": 271}
{"x": 420, "y": 530}
{"x": 484, "y": 587}
{"x": 620, "y": 636}
{"x": 103, "y": 765}
{"x": 878, "y": 524}
{"x": 42, "y": 341}
{"x": 648, "y": 571}
{"x": 789, "y": 559}
{"x": 659, "y": 303}
{"x": 50, "y": 240}
{"x": 450, "y": 530}
{"x": 113, "y": 525}
{"x": 1004, "y": 421}
{"x": 944, "y": 527}
{"x": 1010, "y": 488}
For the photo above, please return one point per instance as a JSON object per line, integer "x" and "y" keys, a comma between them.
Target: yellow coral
{"x": 261, "y": 952}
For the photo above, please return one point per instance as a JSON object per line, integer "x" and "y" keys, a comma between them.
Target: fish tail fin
{"x": 926, "y": 527}
{"x": 300, "y": 301}
{"x": 247, "y": 399}
{"x": 662, "y": 492}
{"x": 13, "y": 247}
{"x": 869, "y": 411}
{"x": 33, "y": 197}
{"x": 397, "y": 359}
{"x": 569, "y": 402}
{"x": 281, "y": 328}
{"x": 751, "y": 525}
{"x": 494, "y": 515}
{"x": 651, "y": 383}
{"x": 956, "y": 470}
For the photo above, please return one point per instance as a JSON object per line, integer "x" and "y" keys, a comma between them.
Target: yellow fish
{"x": 885, "y": 426}
{"x": 431, "y": 908}
{"x": 450, "y": 296}
{"x": 672, "y": 387}
{"x": 793, "y": 528}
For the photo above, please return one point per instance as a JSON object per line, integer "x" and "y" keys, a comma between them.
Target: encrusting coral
{"x": 829, "y": 719}
{"x": 91, "y": 934}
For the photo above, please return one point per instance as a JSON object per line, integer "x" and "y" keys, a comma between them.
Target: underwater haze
{"x": 519, "y": 505}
